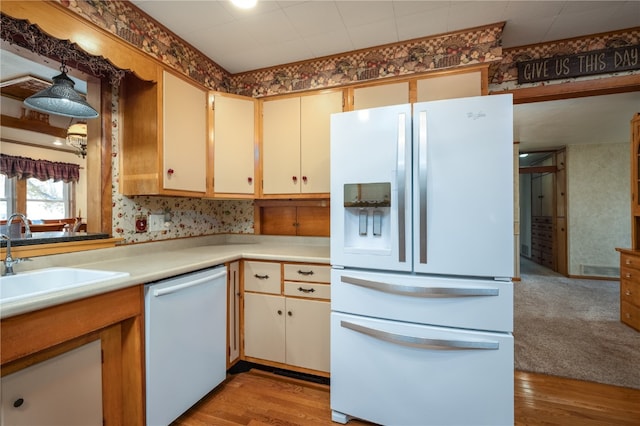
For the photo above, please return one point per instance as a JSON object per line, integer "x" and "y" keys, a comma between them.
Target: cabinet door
{"x": 308, "y": 333}
{"x": 315, "y": 126}
{"x": 264, "y": 327}
{"x": 233, "y": 313}
{"x": 281, "y": 146}
{"x": 380, "y": 95}
{"x": 233, "y": 139}
{"x": 64, "y": 390}
{"x": 450, "y": 86}
{"x": 184, "y": 124}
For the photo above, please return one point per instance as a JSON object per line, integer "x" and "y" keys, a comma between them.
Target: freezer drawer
{"x": 452, "y": 302}
{"x": 395, "y": 373}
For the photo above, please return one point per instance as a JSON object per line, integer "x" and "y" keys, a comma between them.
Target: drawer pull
{"x": 307, "y": 273}
{"x": 627, "y": 293}
{"x": 627, "y": 262}
{"x": 261, "y": 277}
{"x": 306, "y": 290}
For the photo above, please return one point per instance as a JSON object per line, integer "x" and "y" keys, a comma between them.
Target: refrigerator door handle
{"x": 421, "y": 342}
{"x": 406, "y": 290}
{"x": 422, "y": 183}
{"x": 401, "y": 179}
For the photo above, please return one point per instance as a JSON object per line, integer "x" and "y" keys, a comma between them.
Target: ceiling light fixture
{"x": 61, "y": 99}
{"x": 244, "y": 4}
{"x": 77, "y": 138}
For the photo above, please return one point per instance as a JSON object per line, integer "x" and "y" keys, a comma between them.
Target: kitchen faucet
{"x": 9, "y": 261}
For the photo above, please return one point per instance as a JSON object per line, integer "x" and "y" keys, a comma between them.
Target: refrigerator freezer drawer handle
{"x": 168, "y": 290}
{"x": 406, "y": 290}
{"x": 421, "y": 342}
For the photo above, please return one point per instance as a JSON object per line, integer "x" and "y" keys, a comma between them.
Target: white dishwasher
{"x": 185, "y": 338}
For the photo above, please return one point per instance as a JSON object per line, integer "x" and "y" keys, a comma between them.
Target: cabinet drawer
{"x": 630, "y": 264}
{"x": 630, "y": 292}
{"x": 263, "y": 277}
{"x": 308, "y": 273}
{"x": 630, "y": 315}
{"x": 310, "y": 290}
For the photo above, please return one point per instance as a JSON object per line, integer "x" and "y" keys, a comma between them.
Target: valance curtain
{"x": 24, "y": 168}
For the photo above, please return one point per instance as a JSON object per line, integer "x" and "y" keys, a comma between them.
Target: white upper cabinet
{"x": 233, "y": 144}
{"x": 460, "y": 85}
{"x": 184, "y": 124}
{"x": 381, "y": 95}
{"x": 295, "y": 148}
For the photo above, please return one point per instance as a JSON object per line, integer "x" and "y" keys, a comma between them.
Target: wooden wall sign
{"x": 580, "y": 64}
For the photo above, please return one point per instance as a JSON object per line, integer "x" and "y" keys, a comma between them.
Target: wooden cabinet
{"x": 113, "y": 319}
{"x": 309, "y": 218}
{"x": 295, "y": 145}
{"x": 233, "y": 313}
{"x": 164, "y": 141}
{"x": 635, "y": 181}
{"x": 63, "y": 390}
{"x": 542, "y": 240}
{"x": 287, "y": 327}
{"x": 234, "y": 146}
{"x": 630, "y": 258}
{"x": 630, "y": 288}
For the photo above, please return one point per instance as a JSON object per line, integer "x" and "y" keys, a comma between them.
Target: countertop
{"x": 151, "y": 262}
{"x": 53, "y": 237}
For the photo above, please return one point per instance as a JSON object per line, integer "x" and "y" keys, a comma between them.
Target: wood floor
{"x": 259, "y": 398}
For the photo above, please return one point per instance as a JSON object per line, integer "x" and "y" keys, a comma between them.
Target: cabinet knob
{"x": 18, "y": 402}
{"x": 170, "y": 172}
{"x": 279, "y": 312}
{"x": 290, "y": 313}
{"x": 294, "y": 178}
{"x": 627, "y": 293}
{"x": 250, "y": 180}
{"x": 304, "y": 179}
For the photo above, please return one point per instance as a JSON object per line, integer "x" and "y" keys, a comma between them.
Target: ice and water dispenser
{"x": 367, "y": 221}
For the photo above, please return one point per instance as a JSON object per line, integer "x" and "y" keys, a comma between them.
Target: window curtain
{"x": 25, "y": 168}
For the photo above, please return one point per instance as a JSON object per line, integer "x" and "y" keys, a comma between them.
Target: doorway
{"x": 543, "y": 222}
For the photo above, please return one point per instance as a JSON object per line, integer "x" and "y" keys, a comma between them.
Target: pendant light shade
{"x": 61, "y": 99}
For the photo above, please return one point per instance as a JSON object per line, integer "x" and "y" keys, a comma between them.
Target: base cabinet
{"x": 64, "y": 390}
{"x": 286, "y": 315}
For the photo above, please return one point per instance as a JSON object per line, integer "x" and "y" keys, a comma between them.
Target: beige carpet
{"x": 571, "y": 328}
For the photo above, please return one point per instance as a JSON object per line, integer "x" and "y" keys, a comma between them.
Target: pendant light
{"x": 77, "y": 138}
{"x": 61, "y": 99}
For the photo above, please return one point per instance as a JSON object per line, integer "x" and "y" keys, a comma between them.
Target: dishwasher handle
{"x": 168, "y": 290}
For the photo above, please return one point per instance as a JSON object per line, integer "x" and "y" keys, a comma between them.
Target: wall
{"x": 53, "y": 155}
{"x": 598, "y": 207}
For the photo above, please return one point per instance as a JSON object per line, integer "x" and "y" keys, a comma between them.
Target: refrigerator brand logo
{"x": 476, "y": 115}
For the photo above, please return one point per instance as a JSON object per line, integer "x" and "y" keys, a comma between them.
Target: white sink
{"x": 49, "y": 280}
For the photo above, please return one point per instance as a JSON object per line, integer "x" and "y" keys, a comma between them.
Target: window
{"x": 7, "y": 199}
{"x": 38, "y": 199}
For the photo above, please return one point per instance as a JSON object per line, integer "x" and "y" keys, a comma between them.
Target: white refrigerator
{"x": 422, "y": 254}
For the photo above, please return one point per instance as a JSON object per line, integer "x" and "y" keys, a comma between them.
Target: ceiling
{"x": 280, "y": 32}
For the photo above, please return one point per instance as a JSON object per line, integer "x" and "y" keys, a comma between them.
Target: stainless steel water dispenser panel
{"x": 367, "y": 195}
